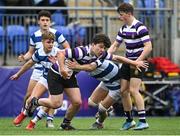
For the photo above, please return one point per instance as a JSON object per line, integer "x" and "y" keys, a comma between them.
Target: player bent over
{"x": 108, "y": 91}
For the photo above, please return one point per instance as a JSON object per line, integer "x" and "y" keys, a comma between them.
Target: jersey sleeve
{"x": 59, "y": 37}
{"x": 31, "y": 40}
{"x": 35, "y": 57}
{"x": 119, "y": 38}
{"x": 76, "y": 53}
{"x": 143, "y": 34}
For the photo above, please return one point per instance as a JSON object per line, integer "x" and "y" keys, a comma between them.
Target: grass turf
{"x": 158, "y": 126}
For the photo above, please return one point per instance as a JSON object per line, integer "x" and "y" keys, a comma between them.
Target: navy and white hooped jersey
{"x": 36, "y": 41}
{"x": 106, "y": 70}
{"x": 134, "y": 37}
{"x": 36, "y": 38}
{"x": 41, "y": 57}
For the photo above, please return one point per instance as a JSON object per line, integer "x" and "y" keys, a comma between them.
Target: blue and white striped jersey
{"x": 106, "y": 71}
{"x": 36, "y": 38}
{"x": 134, "y": 37}
{"x": 36, "y": 41}
{"x": 41, "y": 57}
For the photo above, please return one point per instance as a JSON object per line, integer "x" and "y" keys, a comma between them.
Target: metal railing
{"x": 159, "y": 22}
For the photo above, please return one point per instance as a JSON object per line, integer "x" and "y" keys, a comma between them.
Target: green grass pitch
{"x": 158, "y": 126}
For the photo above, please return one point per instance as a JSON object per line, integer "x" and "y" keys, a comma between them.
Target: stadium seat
{"x": 64, "y": 30}
{"x": 20, "y": 44}
{"x": 2, "y": 12}
{"x": 1, "y": 19}
{"x": 32, "y": 29}
{"x": 58, "y": 19}
{"x": 82, "y": 33}
{"x": 2, "y": 40}
{"x": 13, "y": 30}
{"x": 17, "y": 36}
{"x": 78, "y": 34}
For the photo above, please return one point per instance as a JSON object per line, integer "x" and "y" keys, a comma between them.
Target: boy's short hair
{"x": 125, "y": 7}
{"x": 102, "y": 38}
{"x": 44, "y": 13}
{"x": 48, "y": 35}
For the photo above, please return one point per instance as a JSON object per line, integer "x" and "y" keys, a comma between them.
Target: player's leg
{"x": 50, "y": 118}
{"x": 55, "y": 89}
{"x": 32, "y": 84}
{"x": 41, "y": 113}
{"x": 74, "y": 96}
{"x": 102, "y": 111}
{"x": 139, "y": 102}
{"x": 35, "y": 77}
{"x": 53, "y": 101}
{"x": 18, "y": 120}
{"x": 40, "y": 88}
{"x": 38, "y": 91}
{"x": 112, "y": 96}
{"x": 125, "y": 97}
{"x": 98, "y": 95}
{"x": 127, "y": 105}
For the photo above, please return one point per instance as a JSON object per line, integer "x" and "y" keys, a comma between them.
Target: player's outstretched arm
{"x": 23, "y": 69}
{"x": 137, "y": 64}
{"x": 26, "y": 56}
{"x": 76, "y": 66}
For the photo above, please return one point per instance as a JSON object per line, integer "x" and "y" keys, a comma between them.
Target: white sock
{"x": 39, "y": 116}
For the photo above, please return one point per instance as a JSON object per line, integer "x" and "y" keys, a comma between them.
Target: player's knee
{"x": 27, "y": 96}
{"x": 134, "y": 91}
{"x": 77, "y": 103}
{"x": 91, "y": 103}
{"x": 124, "y": 93}
{"x": 102, "y": 108}
{"x": 56, "y": 104}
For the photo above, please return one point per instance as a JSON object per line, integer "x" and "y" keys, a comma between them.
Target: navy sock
{"x": 142, "y": 116}
{"x": 66, "y": 121}
{"x": 128, "y": 115}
